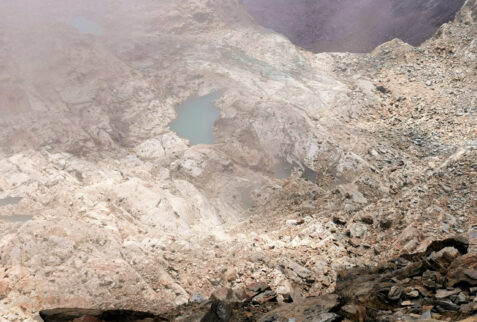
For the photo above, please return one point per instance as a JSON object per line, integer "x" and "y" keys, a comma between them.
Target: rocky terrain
{"x": 352, "y": 26}
{"x": 105, "y": 209}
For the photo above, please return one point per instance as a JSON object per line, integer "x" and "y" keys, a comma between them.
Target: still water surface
{"x": 196, "y": 117}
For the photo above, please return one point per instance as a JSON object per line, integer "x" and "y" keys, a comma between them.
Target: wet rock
{"x": 219, "y": 312}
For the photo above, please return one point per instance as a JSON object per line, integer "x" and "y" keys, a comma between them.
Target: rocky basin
{"x": 126, "y": 216}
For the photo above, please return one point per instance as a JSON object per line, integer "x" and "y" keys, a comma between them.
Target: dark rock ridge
{"x": 349, "y": 25}
{"x": 88, "y": 315}
{"x": 438, "y": 283}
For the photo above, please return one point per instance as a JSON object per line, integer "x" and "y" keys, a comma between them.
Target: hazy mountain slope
{"x": 348, "y": 25}
{"x": 116, "y": 211}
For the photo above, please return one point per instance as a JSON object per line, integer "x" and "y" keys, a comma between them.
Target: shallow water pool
{"x": 10, "y": 201}
{"x": 16, "y": 218}
{"x": 196, "y": 117}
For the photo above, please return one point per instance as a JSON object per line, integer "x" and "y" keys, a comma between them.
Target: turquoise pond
{"x": 196, "y": 117}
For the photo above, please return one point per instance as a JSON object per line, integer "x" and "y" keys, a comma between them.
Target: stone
{"x": 367, "y": 219}
{"x": 357, "y": 230}
{"x": 350, "y": 309}
{"x": 385, "y": 223}
{"x": 462, "y": 269}
{"x": 339, "y": 220}
{"x": 4, "y": 288}
{"x": 197, "y": 298}
{"x": 257, "y": 287}
{"x": 326, "y": 317}
{"x": 426, "y": 315}
{"x": 258, "y": 257}
{"x": 440, "y": 294}
{"x": 462, "y": 298}
{"x": 444, "y": 257}
{"x": 219, "y": 312}
{"x": 469, "y": 308}
{"x": 429, "y": 279}
{"x": 296, "y": 272}
{"x": 265, "y": 296}
{"x": 395, "y": 293}
{"x": 355, "y": 242}
{"x": 413, "y": 294}
{"x": 222, "y": 294}
{"x": 447, "y": 305}
{"x": 284, "y": 291}
{"x": 349, "y": 208}
{"x": 230, "y": 274}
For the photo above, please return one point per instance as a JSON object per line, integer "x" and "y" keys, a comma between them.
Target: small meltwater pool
{"x": 196, "y": 117}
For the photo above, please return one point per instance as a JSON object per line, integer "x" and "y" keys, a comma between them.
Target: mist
{"x": 349, "y": 25}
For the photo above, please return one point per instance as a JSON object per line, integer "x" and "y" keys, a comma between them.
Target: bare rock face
{"x": 103, "y": 207}
{"x": 329, "y": 26}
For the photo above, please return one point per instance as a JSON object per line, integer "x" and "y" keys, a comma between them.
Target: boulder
{"x": 219, "y": 312}
{"x": 463, "y": 269}
{"x": 296, "y": 272}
